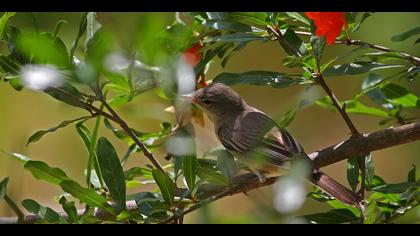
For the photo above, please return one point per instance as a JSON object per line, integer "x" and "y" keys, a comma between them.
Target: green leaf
{"x": 16, "y": 83}
{"x": 189, "y": 166}
{"x": 405, "y": 35}
{"x": 165, "y": 184}
{"x": 318, "y": 44}
{"x": 3, "y": 21}
{"x": 234, "y": 37}
{"x": 10, "y": 65}
{"x": 135, "y": 172}
{"x": 145, "y": 201}
{"x": 335, "y": 216}
{"x": 287, "y": 119}
{"x": 88, "y": 196}
{"x": 43, "y": 212}
{"x": 226, "y": 164}
{"x": 356, "y": 68}
{"x": 412, "y": 174}
{"x": 396, "y": 188}
{"x": 227, "y": 25}
{"x": 376, "y": 95}
{"x": 371, "y": 213}
{"x": 21, "y": 158}
{"x": 39, "y": 134}
{"x": 42, "y": 171}
{"x": 294, "y": 41}
{"x": 70, "y": 209}
{"x": 3, "y": 187}
{"x": 359, "y": 108}
{"x": 58, "y": 26}
{"x": 299, "y": 17}
{"x": 212, "y": 176}
{"x": 353, "y": 172}
{"x": 259, "y": 78}
{"x": 92, "y": 26}
{"x": 82, "y": 30}
{"x": 399, "y": 95}
{"x": 370, "y": 170}
{"x": 256, "y": 19}
{"x": 112, "y": 172}
{"x": 67, "y": 94}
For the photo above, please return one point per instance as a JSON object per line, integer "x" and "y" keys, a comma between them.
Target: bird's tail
{"x": 335, "y": 189}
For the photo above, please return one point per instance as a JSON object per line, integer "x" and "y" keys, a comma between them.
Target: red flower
{"x": 328, "y": 23}
{"x": 192, "y": 55}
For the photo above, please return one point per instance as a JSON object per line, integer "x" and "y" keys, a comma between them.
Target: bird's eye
{"x": 207, "y": 102}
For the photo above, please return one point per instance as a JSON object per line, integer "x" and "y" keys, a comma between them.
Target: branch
{"x": 355, "y": 145}
{"x": 337, "y": 105}
{"x": 415, "y": 60}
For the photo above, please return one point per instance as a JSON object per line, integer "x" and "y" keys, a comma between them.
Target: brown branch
{"x": 413, "y": 59}
{"x": 358, "y": 145}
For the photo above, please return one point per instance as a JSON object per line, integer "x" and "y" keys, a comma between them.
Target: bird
{"x": 256, "y": 140}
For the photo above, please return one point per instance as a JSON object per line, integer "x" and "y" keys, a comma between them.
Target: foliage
{"x": 96, "y": 73}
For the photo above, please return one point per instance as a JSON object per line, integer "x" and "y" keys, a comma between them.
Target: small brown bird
{"x": 256, "y": 140}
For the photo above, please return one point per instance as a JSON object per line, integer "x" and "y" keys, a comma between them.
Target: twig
{"x": 130, "y": 132}
{"x": 337, "y": 105}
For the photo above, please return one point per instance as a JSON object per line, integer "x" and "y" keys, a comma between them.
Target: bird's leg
{"x": 260, "y": 174}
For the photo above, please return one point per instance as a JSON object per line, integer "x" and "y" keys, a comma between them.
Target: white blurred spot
{"x": 116, "y": 61}
{"x": 41, "y": 77}
{"x": 185, "y": 77}
{"x": 290, "y": 194}
{"x": 180, "y": 146}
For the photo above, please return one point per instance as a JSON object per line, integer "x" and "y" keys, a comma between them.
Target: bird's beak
{"x": 188, "y": 97}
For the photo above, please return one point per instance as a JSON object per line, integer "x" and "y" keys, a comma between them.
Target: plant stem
{"x": 130, "y": 132}
{"x": 18, "y": 212}
{"x": 337, "y": 105}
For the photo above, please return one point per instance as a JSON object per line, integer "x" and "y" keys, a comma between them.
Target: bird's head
{"x": 217, "y": 100}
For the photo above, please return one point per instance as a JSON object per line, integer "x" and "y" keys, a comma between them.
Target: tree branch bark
{"x": 355, "y": 145}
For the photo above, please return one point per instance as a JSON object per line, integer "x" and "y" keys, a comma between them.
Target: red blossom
{"x": 329, "y": 24}
{"x": 192, "y": 55}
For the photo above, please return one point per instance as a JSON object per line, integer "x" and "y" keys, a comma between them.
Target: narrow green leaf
{"x": 67, "y": 94}
{"x": 259, "y": 78}
{"x": 135, "y": 172}
{"x": 112, "y": 171}
{"x": 42, "y": 171}
{"x": 234, "y": 37}
{"x": 58, "y": 26}
{"x": 165, "y": 184}
{"x": 335, "y": 216}
{"x": 376, "y": 95}
{"x": 88, "y": 196}
{"x": 227, "y": 25}
{"x": 3, "y": 21}
{"x": 43, "y": 212}
{"x": 3, "y": 187}
{"x": 396, "y": 188}
{"x": 299, "y": 17}
{"x": 92, "y": 26}
{"x": 371, "y": 213}
{"x": 359, "y": 108}
{"x": 370, "y": 170}
{"x": 293, "y": 39}
{"x": 356, "y": 68}
{"x": 10, "y": 65}
{"x": 412, "y": 174}
{"x": 226, "y": 164}
{"x": 82, "y": 30}
{"x": 407, "y": 34}
{"x": 318, "y": 45}
{"x": 399, "y": 95}
{"x": 287, "y": 119}
{"x": 189, "y": 166}
{"x": 353, "y": 172}
{"x": 70, "y": 209}
{"x": 21, "y": 158}
{"x": 212, "y": 176}
{"x": 39, "y": 134}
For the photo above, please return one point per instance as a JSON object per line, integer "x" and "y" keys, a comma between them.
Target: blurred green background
{"x": 23, "y": 113}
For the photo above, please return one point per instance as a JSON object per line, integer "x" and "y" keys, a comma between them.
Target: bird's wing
{"x": 256, "y": 133}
